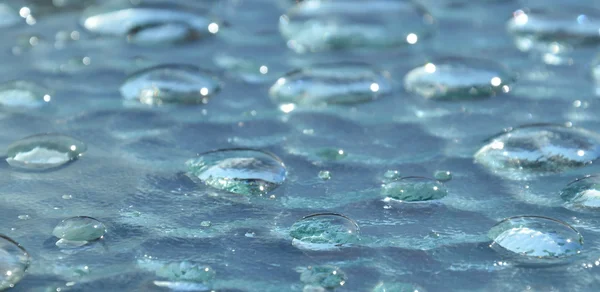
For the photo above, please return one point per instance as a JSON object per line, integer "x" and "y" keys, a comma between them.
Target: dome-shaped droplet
{"x": 181, "y": 84}
{"x": 539, "y": 150}
{"x": 583, "y": 193}
{"x": 14, "y": 261}
{"x": 316, "y": 25}
{"x": 80, "y": 228}
{"x": 527, "y": 238}
{"x": 23, "y": 95}
{"x": 324, "y": 231}
{"x": 334, "y": 83}
{"x": 240, "y": 171}
{"x": 44, "y": 151}
{"x": 458, "y": 79}
{"x": 328, "y": 277}
{"x": 414, "y": 189}
{"x": 148, "y": 24}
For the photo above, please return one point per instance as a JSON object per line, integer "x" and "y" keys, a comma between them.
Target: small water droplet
{"x": 24, "y": 217}
{"x": 328, "y": 277}
{"x": 181, "y": 84}
{"x": 80, "y": 229}
{"x": 14, "y": 261}
{"x": 333, "y": 83}
{"x": 44, "y": 151}
{"x": 531, "y": 238}
{"x": 458, "y": 78}
{"x": 443, "y": 175}
{"x": 332, "y": 154}
{"x": 324, "y": 175}
{"x": 311, "y": 26}
{"x": 414, "y": 189}
{"x": 324, "y": 231}
{"x": 23, "y": 95}
{"x": 392, "y": 175}
{"x": 582, "y": 194}
{"x": 240, "y": 171}
{"x": 205, "y": 223}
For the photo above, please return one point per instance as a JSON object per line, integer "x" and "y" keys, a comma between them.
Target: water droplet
{"x": 443, "y": 175}
{"x": 398, "y": 287}
{"x": 313, "y": 26}
{"x": 80, "y": 228}
{"x": 332, "y": 154}
{"x": 458, "y": 78}
{"x": 181, "y": 84}
{"x": 328, "y": 277}
{"x": 23, "y": 95}
{"x": 334, "y": 83}
{"x": 240, "y": 171}
{"x": 528, "y": 238}
{"x": 14, "y": 261}
{"x": 527, "y": 151}
{"x": 148, "y": 25}
{"x": 205, "y": 223}
{"x": 392, "y": 175}
{"x": 583, "y": 193}
{"x": 414, "y": 189}
{"x": 44, "y": 151}
{"x": 324, "y": 231}
{"x": 324, "y": 175}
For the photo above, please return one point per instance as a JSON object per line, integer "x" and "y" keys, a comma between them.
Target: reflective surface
{"x": 414, "y": 189}
{"x": 14, "y": 261}
{"x": 44, "y": 151}
{"x": 324, "y": 231}
{"x": 583, "y": 193}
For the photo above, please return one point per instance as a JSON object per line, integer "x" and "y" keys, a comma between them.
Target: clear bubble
{"x": 241, "y": 171}
{"x": 14, "y": 261}
{"x": 324, "y": 175}
{"x": 537, "y": 150}
{"x": 583, "y": 193}
{"x": 182, "y": 84}
{"x": 328, "y": 277}
{"x": 44, "y": 151}
{"x": 315, "y": 25}
{"x": 148, "y": 24}
{"x": 333, "y": 83}
{"x": 443, "y": 175}
{"x": 414, "y": 189}
{"x": 459, "y": 79}
{"x": 80, "y": 228}
{"x": 324, "y": 231}
{"x": 23, "y": 95}
{"x": 528, "y": 239}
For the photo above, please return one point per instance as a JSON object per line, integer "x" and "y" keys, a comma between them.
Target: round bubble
{"x": 80, "y": 228}
{"x": 182, "y": 84}
{"x": 583, "y": 193}
{"x": 324, "y": 231}
{"x": 316, "y": 25}
{"x": 240, "y": 171}
{"x": 23, "y": 95}
{"x": 14, "y": 261}
{"x": 328, "y": 277}
{"x": 333, "y": 83}
{"x": 537, "y": 150}
{"x": 459, "y": 79}
{"x": 44, "y": 151}
{"x": 533, "y": 238}
{"x": 414, "y": 189}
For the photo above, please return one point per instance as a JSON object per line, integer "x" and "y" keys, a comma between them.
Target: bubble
{"x": 414, "y": 189}
{"x": 312, "y": 26}
{"x": 443, "y": 175}
{"x": 333, "y": 83}
{"x": 147, "y": 24}
{"x": 459, "y": 78}
{"x": 397, "y": 287}
{"x": 14, "y": 261}
{"x": 532, "y": 238}
{"x": 583, "y": 193}
{"x": 324, "y": 175}
{"x": 324, "y": 231}
{"x": 182, "y": 84}
{"x": 44, "y": 151}
{"x": 537, "y": 150}
{"x": 240, "y": 171}
{"x": 328, "y": 277}
{"x": 80, "y": 228}
{"x": 392, "y": 175}
{"x": 23, "y": 95}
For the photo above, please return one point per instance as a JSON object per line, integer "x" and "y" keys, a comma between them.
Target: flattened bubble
{"x": 414, "y": 189}
{"x": 240, "y": 171}
{"x": 583, "y": 193}
{"x": 80, "y": 228}
{"x": 333, "y": 83}
{"x": 328, "y": 277}
{"x": 459, "y": 79}
{"x": 181, "y": 84}
{"x": 535, "y": 239}
{"x": 538, "y": 150}
{"x": 324, "y": 231}
{"x": 14, "y": 261}
{"x": 317, "y": 25}
{"x": 23, "y": 95}
{"x": 44, "y": 151}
